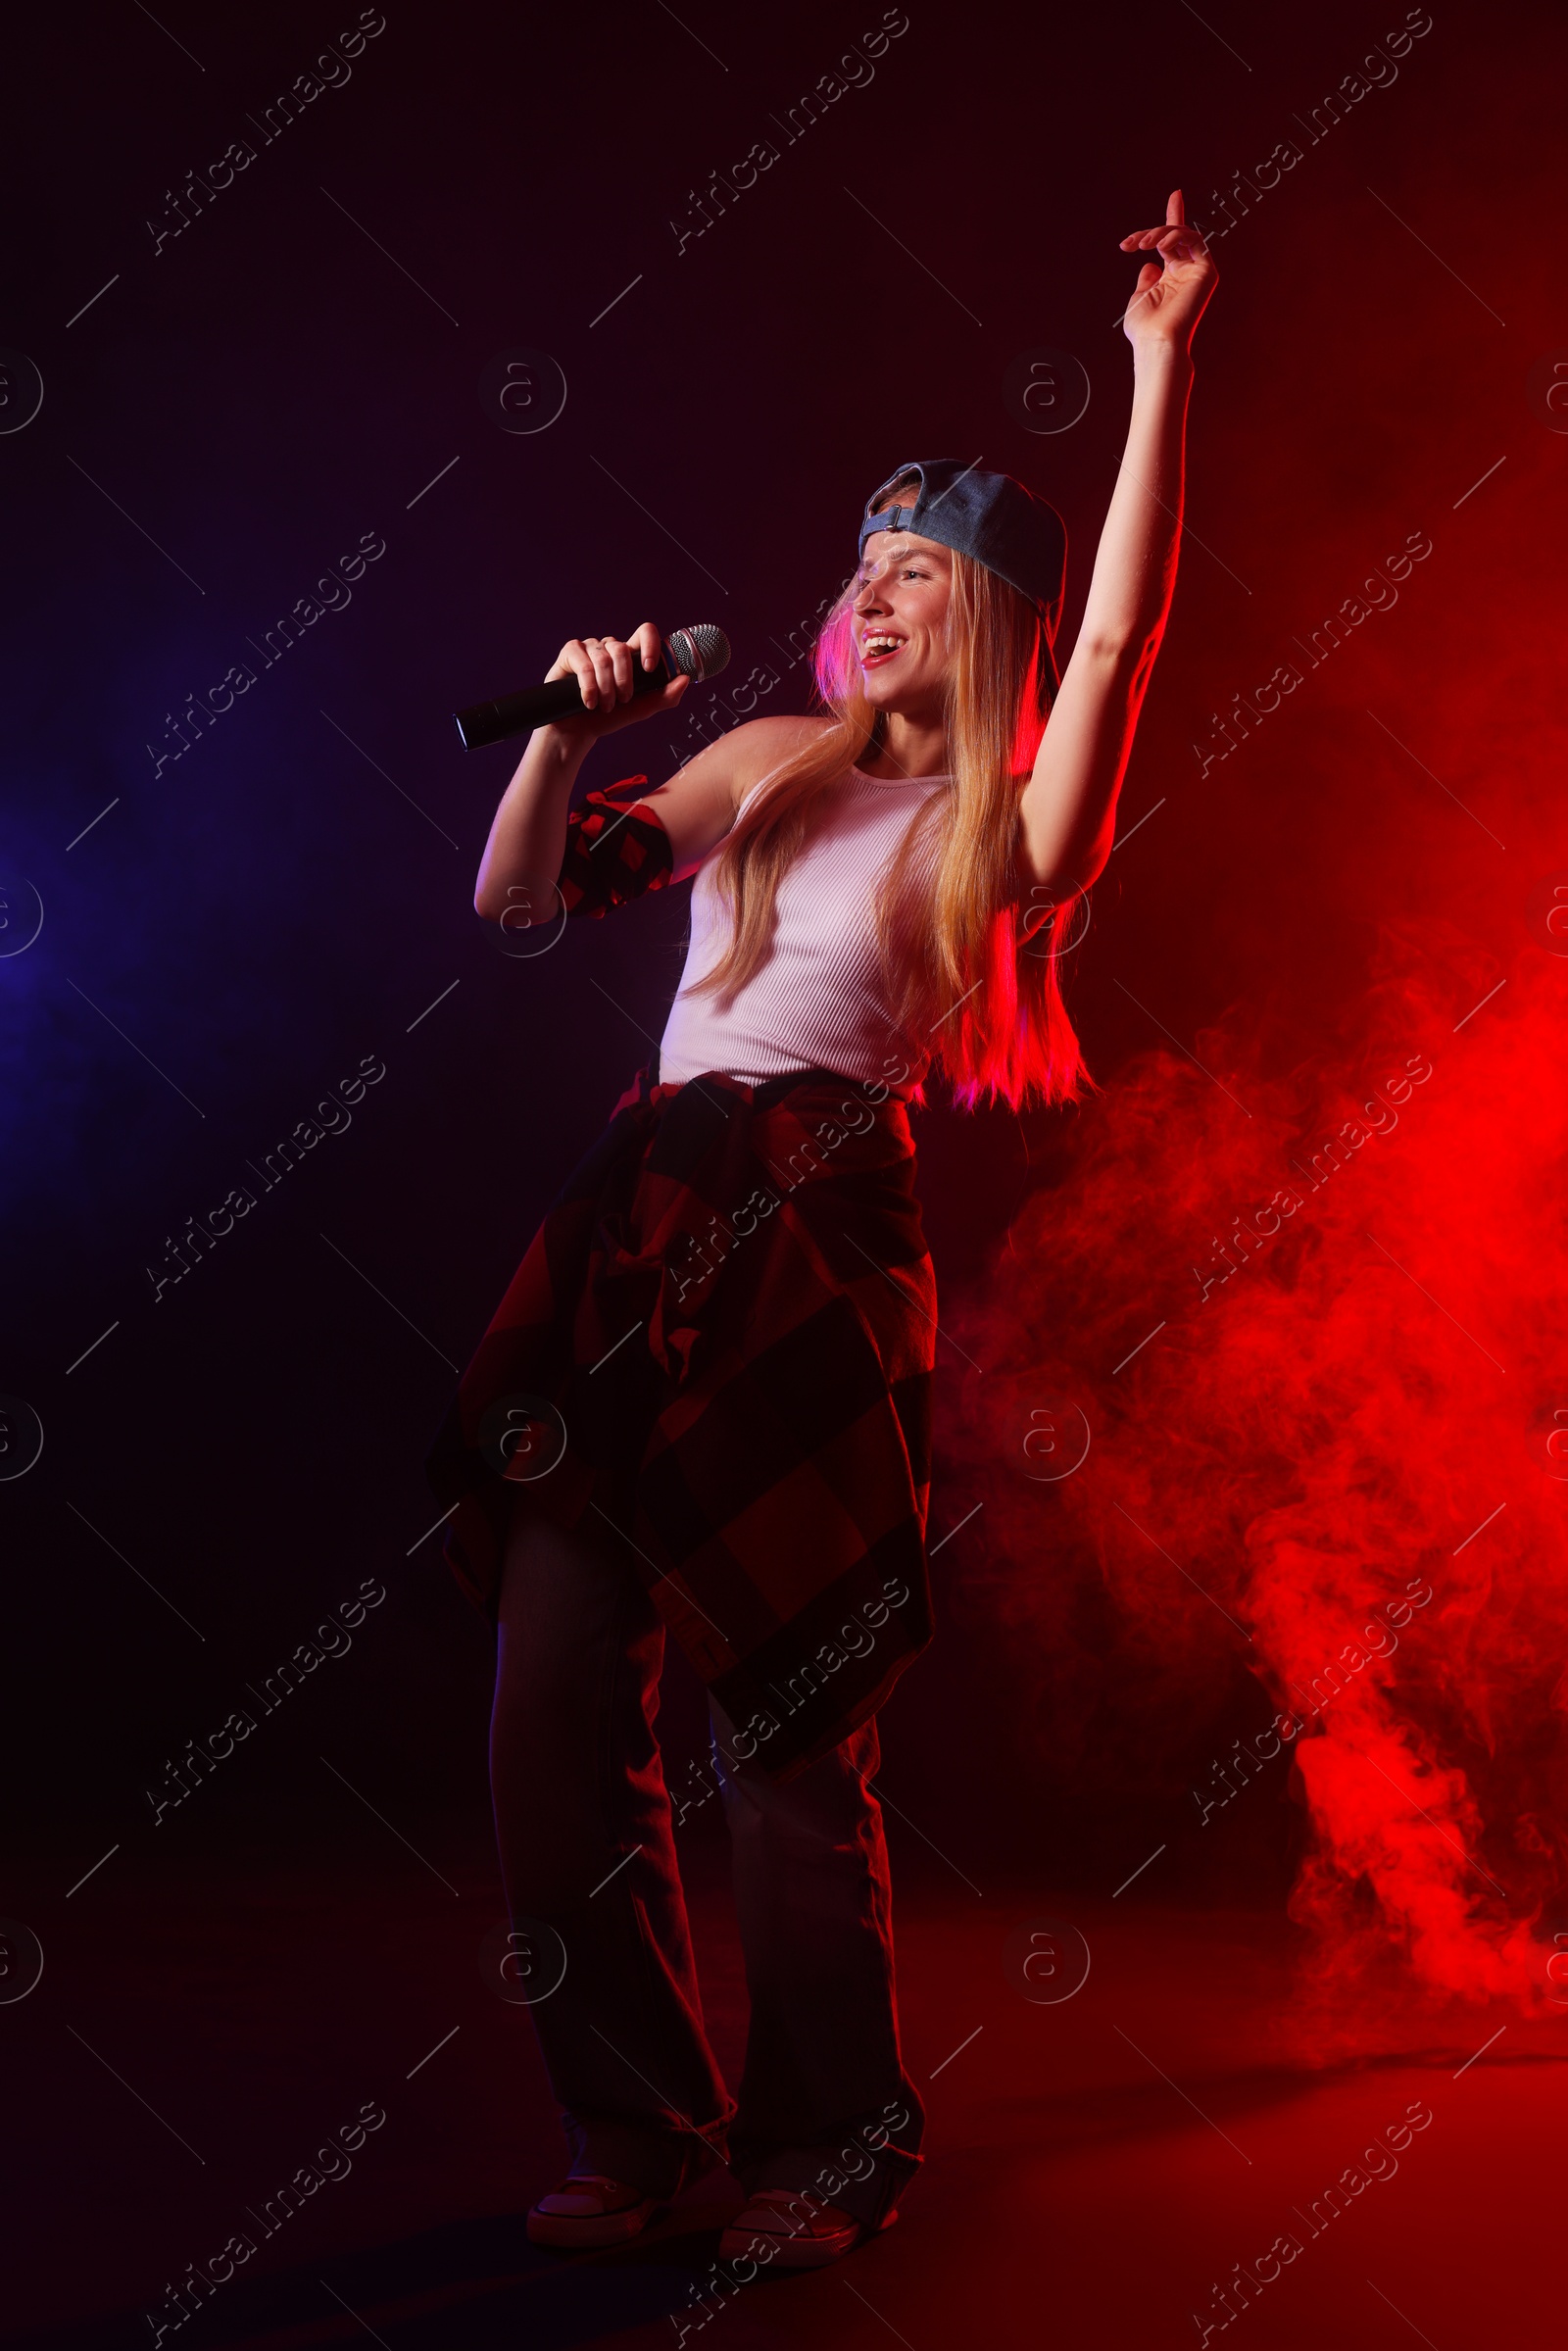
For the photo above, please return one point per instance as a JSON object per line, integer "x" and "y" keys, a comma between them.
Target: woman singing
{"x": 704, "y": 1404}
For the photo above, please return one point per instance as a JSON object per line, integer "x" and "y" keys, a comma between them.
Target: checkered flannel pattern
{"x": 612, "y": 855}
{"x": 723, "y": 1332}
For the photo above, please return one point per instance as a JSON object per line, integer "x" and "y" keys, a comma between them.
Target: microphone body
{"x": 699, "y": 651}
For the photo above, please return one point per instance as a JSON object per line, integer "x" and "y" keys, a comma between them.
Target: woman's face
{"x": 900, "y": 618}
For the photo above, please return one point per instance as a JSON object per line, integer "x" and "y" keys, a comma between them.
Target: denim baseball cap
{"x": 993, "y": 518}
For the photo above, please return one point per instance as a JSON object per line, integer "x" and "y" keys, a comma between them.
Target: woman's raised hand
{"x": 1169, "y": 299}
{"x": 602, "y": 669}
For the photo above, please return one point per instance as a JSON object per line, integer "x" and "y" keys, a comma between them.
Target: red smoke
{"x": 1320, "y": 1434}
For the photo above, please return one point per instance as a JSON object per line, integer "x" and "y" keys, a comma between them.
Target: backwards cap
{"x": 994, "y": 520}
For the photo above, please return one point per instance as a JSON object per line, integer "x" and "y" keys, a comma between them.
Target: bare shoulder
{"x": 700, "y": 803}
{"x": 759, "y": 747}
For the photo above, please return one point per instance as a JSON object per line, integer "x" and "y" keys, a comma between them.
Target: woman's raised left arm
{"x": 1068, "y": 807}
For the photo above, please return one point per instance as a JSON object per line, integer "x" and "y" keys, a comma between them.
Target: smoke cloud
{"x": 1343, "y": 1456}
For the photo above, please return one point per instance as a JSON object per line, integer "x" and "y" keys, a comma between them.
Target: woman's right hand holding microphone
{"x": 602, "y": 669}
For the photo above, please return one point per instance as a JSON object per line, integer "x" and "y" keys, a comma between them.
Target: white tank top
{"x": 817, "y": 1001}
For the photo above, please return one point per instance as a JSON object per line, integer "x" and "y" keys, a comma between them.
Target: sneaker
{"x": 590, "y": 2209}
{"x": 773, "y": 2230}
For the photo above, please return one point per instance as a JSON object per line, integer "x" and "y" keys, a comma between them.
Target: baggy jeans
{"x": 585, "y": 1830}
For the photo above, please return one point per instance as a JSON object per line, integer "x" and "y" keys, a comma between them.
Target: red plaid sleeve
{"x": 614, "y": 852}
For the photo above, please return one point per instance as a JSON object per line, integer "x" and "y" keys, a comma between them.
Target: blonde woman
{"x": 704, "y": 1404}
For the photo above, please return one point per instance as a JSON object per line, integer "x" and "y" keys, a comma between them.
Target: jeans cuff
{"x": 657, "y": 2163}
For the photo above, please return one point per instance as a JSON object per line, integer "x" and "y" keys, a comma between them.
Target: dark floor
{"x": 1095, "y": 2165}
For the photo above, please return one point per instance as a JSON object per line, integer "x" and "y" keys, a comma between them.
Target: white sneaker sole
{"x": 801, "y": 2252}
{"x": 587, "y": 2229}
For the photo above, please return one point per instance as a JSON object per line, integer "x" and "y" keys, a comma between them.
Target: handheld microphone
{"x": 699, "y": 651}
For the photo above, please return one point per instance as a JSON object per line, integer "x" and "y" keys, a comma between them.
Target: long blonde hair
{"x": 969, "y": 972}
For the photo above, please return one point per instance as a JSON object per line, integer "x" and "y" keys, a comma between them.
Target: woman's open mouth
{"x": 878, "y": 648}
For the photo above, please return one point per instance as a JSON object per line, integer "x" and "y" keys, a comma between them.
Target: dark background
{"x": 294, "y": 893}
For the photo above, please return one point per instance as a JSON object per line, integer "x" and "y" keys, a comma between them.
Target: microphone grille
{"x": 701, "y": 651}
